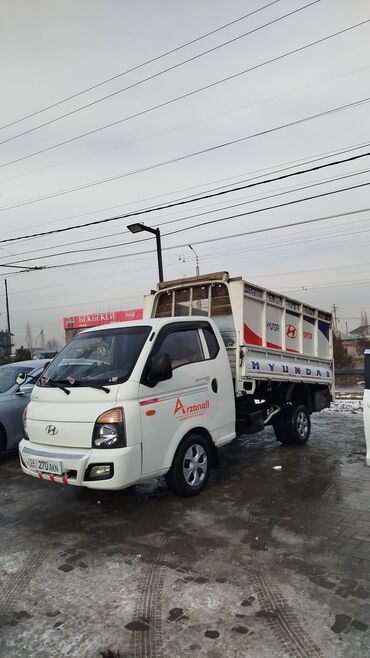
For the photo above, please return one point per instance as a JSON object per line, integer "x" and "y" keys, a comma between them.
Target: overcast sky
{"x": 50, "y": 50}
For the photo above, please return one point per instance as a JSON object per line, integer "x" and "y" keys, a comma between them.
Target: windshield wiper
{"x": 56, "y": 384}
{"x": 81, "y": 382}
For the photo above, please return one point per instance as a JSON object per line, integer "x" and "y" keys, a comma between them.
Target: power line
{"x": 193, "y": 200}
{"x": 180, "y": 158}
{"x": 185, "y": 125}
{"x": 204, "y": 257}
{"x": 225, "y": 237}
{"x": 217, "y": 209}
{"x": 139, "y": 66}
{"x": 280, "y": 205}
{"x": 332, "y": 285}
{"x": 273, "y": 169}
{"x": 186, "y": 95}
{"x": 153, "y": 267}
{"x": 96, "y": 302}
{"x": 271, "y": 245}
{"x": 181, "y": 219}
{"x": 159, "y": 73}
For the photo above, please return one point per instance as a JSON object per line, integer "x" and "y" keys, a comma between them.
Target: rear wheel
{"x": 191, "y": 466}
{"x": 293, "y": 425}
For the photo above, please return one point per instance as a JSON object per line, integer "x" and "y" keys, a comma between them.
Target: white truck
{"x": 215, "y": 357}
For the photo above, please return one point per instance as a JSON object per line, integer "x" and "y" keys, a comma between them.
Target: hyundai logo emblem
{"x": 51, "y": 429}
{"x": 291, "y": 331}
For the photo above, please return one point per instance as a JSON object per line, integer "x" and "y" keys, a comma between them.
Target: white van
{"x": 216, "y": 357}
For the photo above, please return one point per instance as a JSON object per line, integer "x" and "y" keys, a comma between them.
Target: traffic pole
{"x": 7, "y": 305}
{"x": 367, "y": 405}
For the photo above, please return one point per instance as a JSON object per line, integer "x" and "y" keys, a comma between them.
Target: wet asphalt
{"x": 264, "y": 564}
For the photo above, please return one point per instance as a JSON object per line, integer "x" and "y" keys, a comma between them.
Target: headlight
{"x": 109, "y": 430}
{"x": 25, "y": 433}
{"x": 107, "y": 436}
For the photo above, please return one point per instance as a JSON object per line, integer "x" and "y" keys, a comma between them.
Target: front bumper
{"x": 75, "y": 462}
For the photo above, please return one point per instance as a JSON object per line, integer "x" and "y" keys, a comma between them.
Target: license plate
{"x": 53, "y": 466}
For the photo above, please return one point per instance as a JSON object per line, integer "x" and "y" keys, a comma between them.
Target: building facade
{"x": 74, "y": 324}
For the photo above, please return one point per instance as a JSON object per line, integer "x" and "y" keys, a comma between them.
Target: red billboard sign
{"x": 96, "y": 319}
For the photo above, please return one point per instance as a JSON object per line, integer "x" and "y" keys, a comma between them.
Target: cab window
{"x": 211, "y": 340}
{"x": 182, "y": 346}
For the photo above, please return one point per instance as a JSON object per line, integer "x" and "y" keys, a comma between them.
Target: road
{"x": 264, "y": 564}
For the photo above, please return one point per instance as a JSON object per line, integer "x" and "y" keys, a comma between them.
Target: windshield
{"x": 8, "y": 375}
{"x": 97, "y": 358}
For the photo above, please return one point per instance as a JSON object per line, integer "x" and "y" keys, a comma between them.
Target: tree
{"x": 52, "y": 344}
{"x": 28, "y": 336}
{"x": 22, "y": 354}
{"x": 342, "y": 357}
{"x": 364, "y": 320}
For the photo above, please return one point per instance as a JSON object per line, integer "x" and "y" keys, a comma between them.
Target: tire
{"x": 2, "y": 442}
{"x": 293, "y": 425}
{"x": 191, "y": 466}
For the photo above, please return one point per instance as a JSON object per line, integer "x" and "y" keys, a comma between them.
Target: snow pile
{"x": 346, "y": 405}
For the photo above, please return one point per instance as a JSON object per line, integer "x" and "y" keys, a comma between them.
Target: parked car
{"x": 15, "y": 397}
{"x": 45, "y": 354}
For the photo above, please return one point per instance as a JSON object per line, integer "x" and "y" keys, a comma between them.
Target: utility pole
{"x": 7, "y": 306}
{"x": 335, "y": 318}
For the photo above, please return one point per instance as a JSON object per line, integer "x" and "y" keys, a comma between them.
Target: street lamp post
{"x": 138, "y": 228}
{"x": 196, "y": 259}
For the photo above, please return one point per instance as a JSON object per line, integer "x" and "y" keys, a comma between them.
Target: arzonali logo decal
{"x": 190, "y": 410}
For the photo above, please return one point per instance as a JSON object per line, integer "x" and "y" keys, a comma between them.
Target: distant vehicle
{"x": 45, "y": 354}
{"x": 14, "y": 398}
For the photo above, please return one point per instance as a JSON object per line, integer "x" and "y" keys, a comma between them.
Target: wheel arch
{"x": 3, "y": 435}
{"x": 207, "y": 436}
{"x": 299, "y": 393}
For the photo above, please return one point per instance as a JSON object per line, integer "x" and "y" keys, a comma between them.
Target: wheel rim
{"x": 302, "y": 424}
{"x": 195, "y": 465}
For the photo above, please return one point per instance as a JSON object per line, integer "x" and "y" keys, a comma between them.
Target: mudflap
{"x": 251, "y": 423}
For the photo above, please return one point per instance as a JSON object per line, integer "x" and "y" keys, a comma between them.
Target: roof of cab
{"x": 150, "y": 322}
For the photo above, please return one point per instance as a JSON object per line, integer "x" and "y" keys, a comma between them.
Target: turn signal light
{"x": 111, "y": 416}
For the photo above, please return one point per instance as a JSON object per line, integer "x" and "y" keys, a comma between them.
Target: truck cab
{"x": 128, "y": 402}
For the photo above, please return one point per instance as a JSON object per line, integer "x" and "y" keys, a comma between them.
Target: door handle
{"x": 214, "y": 385}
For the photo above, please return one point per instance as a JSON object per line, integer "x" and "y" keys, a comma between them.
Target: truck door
{"x": 172, "y": 407}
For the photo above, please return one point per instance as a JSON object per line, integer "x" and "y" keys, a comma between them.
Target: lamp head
{"x": 136, "y": 228}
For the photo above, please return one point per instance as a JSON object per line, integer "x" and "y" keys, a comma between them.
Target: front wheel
{"x": 191, "y": 466}
{"x": 293, "y": 425}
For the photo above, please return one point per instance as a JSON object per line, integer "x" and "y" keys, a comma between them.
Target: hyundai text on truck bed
{"x": 215, "y": 357}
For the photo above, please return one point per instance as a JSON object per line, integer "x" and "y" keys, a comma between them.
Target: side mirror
{"x": 25, "y": 389}
{"x": 21, "y": 378}
{"x": 160, "y": 369}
